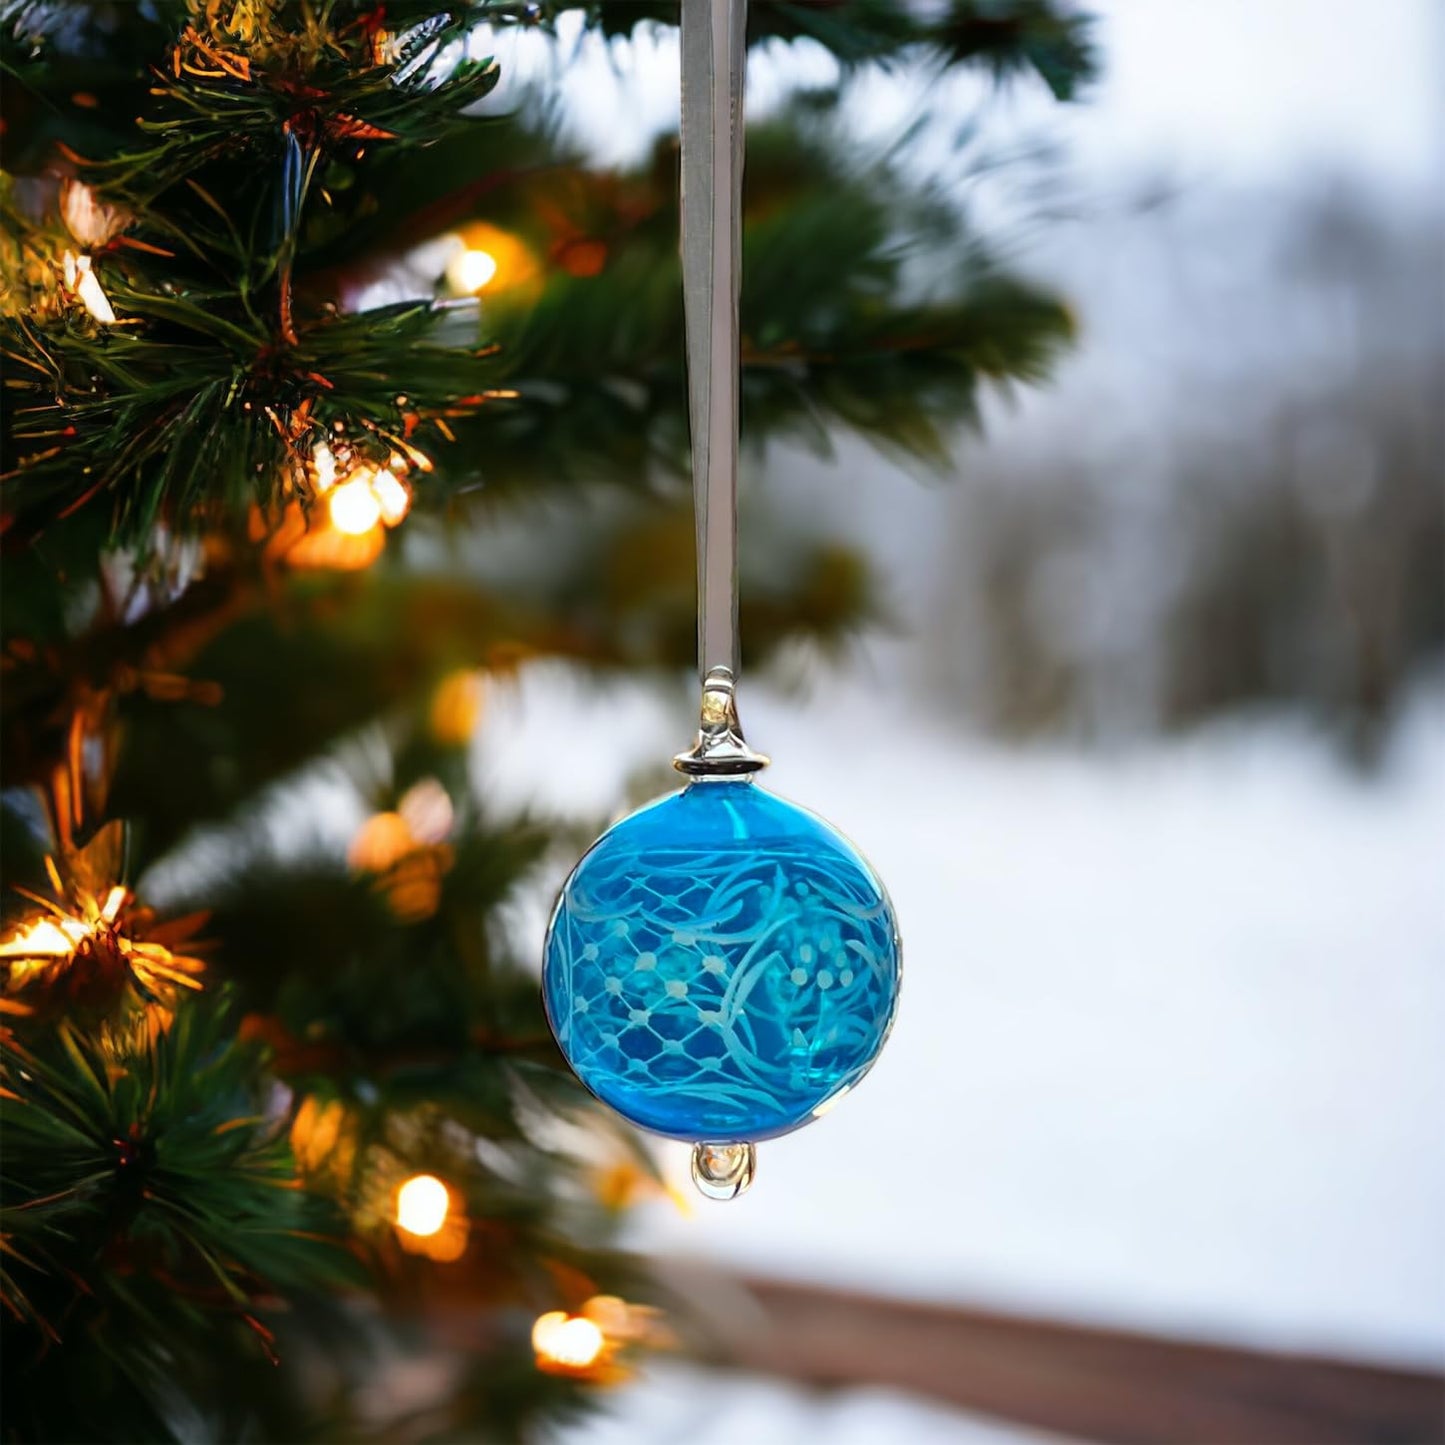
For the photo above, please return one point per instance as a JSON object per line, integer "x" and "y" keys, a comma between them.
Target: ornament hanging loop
{"x": 713, "y": 63}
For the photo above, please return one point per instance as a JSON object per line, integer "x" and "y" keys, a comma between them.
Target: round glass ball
{"x": 721, "y": 965}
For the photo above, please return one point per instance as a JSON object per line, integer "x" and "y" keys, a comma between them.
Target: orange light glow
{"x": 487, "y": 259}
{"x": 456, "y": 707}
{"x": 354, "y": 506}
{"x": 393, "y": 498}
{"x": 83, "y": 924}
{"x": 323, "y": 465}
{"x": 567, "y": 1342}
{"x": 44, "y": 938}
{"x": 381, "y": 842}
{"x": 470, "y": 270}
{"x": 422, "y": 1205}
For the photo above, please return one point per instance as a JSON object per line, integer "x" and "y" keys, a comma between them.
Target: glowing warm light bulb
{"x": 426, "y": 809}
{"x": 422, "y": 1204}
{"x": 381, "y": 842}
{"x": 392, "y": 497}
{"x": 470, "y": 270}
{"x": 323, "y": 460}
{"x": 567, "y": 1340}
{"x": 44, "y": 938}
{"x": 86, "y": 284}
{"x": 354, "y": 506}
{"x": 456, "y": 707}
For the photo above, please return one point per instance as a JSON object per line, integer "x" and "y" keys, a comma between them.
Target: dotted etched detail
{"x": 721, "y": 964}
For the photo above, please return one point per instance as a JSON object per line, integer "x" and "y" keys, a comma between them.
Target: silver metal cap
{"x": 720, "y": 751}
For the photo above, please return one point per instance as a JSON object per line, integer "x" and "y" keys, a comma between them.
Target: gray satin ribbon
{"x": 713, "y": 61}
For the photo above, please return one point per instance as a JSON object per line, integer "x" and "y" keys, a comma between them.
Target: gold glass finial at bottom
{"x": 723, "y": 1171}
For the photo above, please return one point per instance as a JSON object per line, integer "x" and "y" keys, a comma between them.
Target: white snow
{"x": 674, "y": 1403}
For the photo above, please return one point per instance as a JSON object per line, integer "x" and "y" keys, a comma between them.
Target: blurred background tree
{"x": 288, "y": 327}
{"x": 1270, "y": 538}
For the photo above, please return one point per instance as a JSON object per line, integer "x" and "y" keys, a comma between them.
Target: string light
{"x": 324, "y": 1140}
{"x": 323, "y": 468}
{"x": 85, "y": 284}
{"x": 365, "y": 496}
{"x": 92, "y": 223}
{"x": 485, "y": 258}
{"x": 624, "y": 1323}
{"x": 469, "y": 270}
{"x": 422, "y": 818}
{"x": 381, "y": 842}
{"x": 426, "y": 1223}
{"x": 422, "y": 1205}
{"x": 456, "y": 707}
{"x": 45, "y": 939}
{"x": 413, "y": 889}
{"x": 426, "y": 808}
{"x": 565, "y": 1343}
{"x": 353, "y": 506}
{"x": 407, "y": 850}
{"x": 393, "y": 500}
{"x": 589, "y": 1344}
{"x": 307, "y": 542}
{"x": 362, "y": 501}
{"x": 99, "y": 927}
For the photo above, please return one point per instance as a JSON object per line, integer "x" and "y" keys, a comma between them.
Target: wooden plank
{"x": 1075, "y": 1380}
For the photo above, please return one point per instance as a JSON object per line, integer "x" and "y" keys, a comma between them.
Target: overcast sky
{"x": 1257, "y": 87}
{"x": 1236, "y": 90}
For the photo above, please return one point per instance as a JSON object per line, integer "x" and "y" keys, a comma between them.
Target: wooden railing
{"x": 1079, "y": 1381}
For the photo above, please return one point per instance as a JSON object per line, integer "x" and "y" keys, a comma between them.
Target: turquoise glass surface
{"x": 720, "y": 964}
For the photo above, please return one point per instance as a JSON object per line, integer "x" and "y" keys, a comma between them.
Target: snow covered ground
{"x": 1172, "y": 1045}
{"x": 677, "y": 1403}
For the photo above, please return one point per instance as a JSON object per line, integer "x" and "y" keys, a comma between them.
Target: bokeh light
{"x": 569, "y": 1342}
{"x": 354, "y": 506}
{"x": 471, "y": 270}
{"x": 422, "y": 1204}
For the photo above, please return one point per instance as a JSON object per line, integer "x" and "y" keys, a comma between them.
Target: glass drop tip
{"x": 723, "y": 1171}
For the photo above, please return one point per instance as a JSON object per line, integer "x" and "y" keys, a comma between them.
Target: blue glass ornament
{"x": 721, "y": 965}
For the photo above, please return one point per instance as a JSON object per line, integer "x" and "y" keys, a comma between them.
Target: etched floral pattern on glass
{"x": 721, "y": 964}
